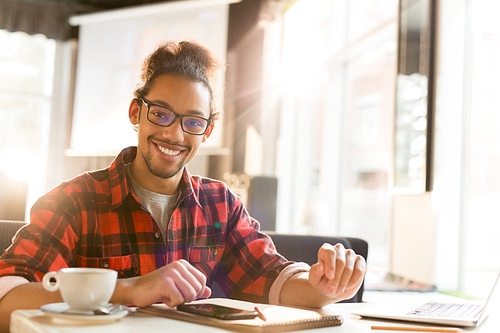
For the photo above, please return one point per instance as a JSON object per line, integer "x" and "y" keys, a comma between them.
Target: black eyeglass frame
{"x": 176, "y": 115}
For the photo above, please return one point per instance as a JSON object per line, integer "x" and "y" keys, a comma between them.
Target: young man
{"x": 169, "y": 235}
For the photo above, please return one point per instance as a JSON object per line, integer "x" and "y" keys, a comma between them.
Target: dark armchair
{"x": 7, "y": 230}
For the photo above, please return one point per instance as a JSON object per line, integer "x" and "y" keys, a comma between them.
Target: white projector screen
{"x": 112, "y": 46}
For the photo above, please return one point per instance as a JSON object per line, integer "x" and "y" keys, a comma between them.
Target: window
{"x": 467, "y": 186}
{"x": 482, "y": 190}
{"x": 365, "y": 170}
{"x": 336, "y": 130}
{"x": 26, "y": 68}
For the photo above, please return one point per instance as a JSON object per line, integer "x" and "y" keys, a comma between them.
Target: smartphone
{"x": 217, "y": 311}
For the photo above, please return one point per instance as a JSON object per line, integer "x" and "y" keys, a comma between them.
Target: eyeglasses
{"x": 164, "y": 117}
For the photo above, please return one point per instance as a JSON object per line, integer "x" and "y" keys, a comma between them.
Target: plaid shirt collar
{"x": 121, "y": 182}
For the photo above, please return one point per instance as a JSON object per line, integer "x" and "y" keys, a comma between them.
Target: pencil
{"x": 416, "y": 329}
{"x": 260, "y": 314}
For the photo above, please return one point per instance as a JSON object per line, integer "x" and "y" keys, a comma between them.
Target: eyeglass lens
{"x": 164, "y": 117}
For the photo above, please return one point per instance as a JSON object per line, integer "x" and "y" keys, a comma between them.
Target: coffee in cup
{"x": 82, "y": 288}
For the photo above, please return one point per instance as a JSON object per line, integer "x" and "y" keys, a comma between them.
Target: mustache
{"x": 171, "y": 143}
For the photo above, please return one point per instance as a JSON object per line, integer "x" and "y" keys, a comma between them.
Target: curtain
{"x": 40, "y": 17}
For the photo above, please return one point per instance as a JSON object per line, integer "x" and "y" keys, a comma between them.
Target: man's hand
{"x": 173, "y": 284}
{"x": 339, "y": 273}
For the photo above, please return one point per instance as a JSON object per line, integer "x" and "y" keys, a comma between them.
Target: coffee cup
{"x": 82, "y": 288}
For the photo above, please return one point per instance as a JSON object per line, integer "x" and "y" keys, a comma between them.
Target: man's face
{"x": 166, "y": 150}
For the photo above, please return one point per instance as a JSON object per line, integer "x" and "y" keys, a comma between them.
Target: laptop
{"x": 463, "y": 314}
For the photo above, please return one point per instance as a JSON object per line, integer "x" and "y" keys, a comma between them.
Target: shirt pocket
{"x": 206, "y": 253}
{"x": 126, "y": 266}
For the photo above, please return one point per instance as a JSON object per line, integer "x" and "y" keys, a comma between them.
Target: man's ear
{"x": 208, "y": 132}
{"x": 134, "y": 111}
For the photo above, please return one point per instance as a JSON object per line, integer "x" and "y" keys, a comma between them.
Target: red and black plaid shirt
{"x": 96, "y": 220}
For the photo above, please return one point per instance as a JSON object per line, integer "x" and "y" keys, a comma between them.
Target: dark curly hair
{"x": 187, "y": 59}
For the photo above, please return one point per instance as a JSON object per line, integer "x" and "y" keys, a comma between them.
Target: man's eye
{"x": 194, "y": 123}
{"x": 158, "y": 114}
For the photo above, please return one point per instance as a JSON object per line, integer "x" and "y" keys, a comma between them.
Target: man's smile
{"x": 169, "y": 152}
{"x": 169, "y": 149}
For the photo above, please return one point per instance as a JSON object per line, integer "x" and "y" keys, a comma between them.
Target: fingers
{"x": 358, "y": 274}
{"x": 338, "y": 271}
{"x": 347, "y": 274}
{"x": 173, "y": 284}
{"x": 195, "y": 279}
{"x": 329, "y": 255}
{"x": 316, "y": 273}
{"x": 334, "y": 259}
{"x": 206, "y": 293}
{"x": 184, "y": 283}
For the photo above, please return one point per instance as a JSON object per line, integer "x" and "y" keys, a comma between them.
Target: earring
{"x": 136, "y": 127}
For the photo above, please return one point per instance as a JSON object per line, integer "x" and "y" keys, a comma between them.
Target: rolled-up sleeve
{"x": 7, "y": 283}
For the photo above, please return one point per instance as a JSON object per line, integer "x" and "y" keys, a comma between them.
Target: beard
{"x": 163, "y": 172}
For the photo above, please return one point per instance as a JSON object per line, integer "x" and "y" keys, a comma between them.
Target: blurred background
{"x": 376, "y": 119}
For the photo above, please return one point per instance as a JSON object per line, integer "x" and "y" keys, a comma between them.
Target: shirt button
{"x": 105, "y": 265}
{"x": 157, "y": 235}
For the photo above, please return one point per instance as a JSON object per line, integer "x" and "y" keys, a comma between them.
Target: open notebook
{"x": 463, "y": 314}
{"x": 278, "y": 318}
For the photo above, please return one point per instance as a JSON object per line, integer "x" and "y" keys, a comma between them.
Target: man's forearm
{"x": 26, "y": 296}
{"x": 297, "y": 291}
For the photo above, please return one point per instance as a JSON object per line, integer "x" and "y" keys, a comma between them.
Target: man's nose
{"x": 174, "y": 132}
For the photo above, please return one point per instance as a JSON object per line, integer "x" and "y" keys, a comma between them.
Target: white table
{"x": 35, "y": 321}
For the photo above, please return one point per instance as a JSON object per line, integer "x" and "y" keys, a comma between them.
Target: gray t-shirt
{"x": 161, "y": 206}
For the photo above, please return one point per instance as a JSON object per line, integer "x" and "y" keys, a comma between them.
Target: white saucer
{"x": 58, "y": 311}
